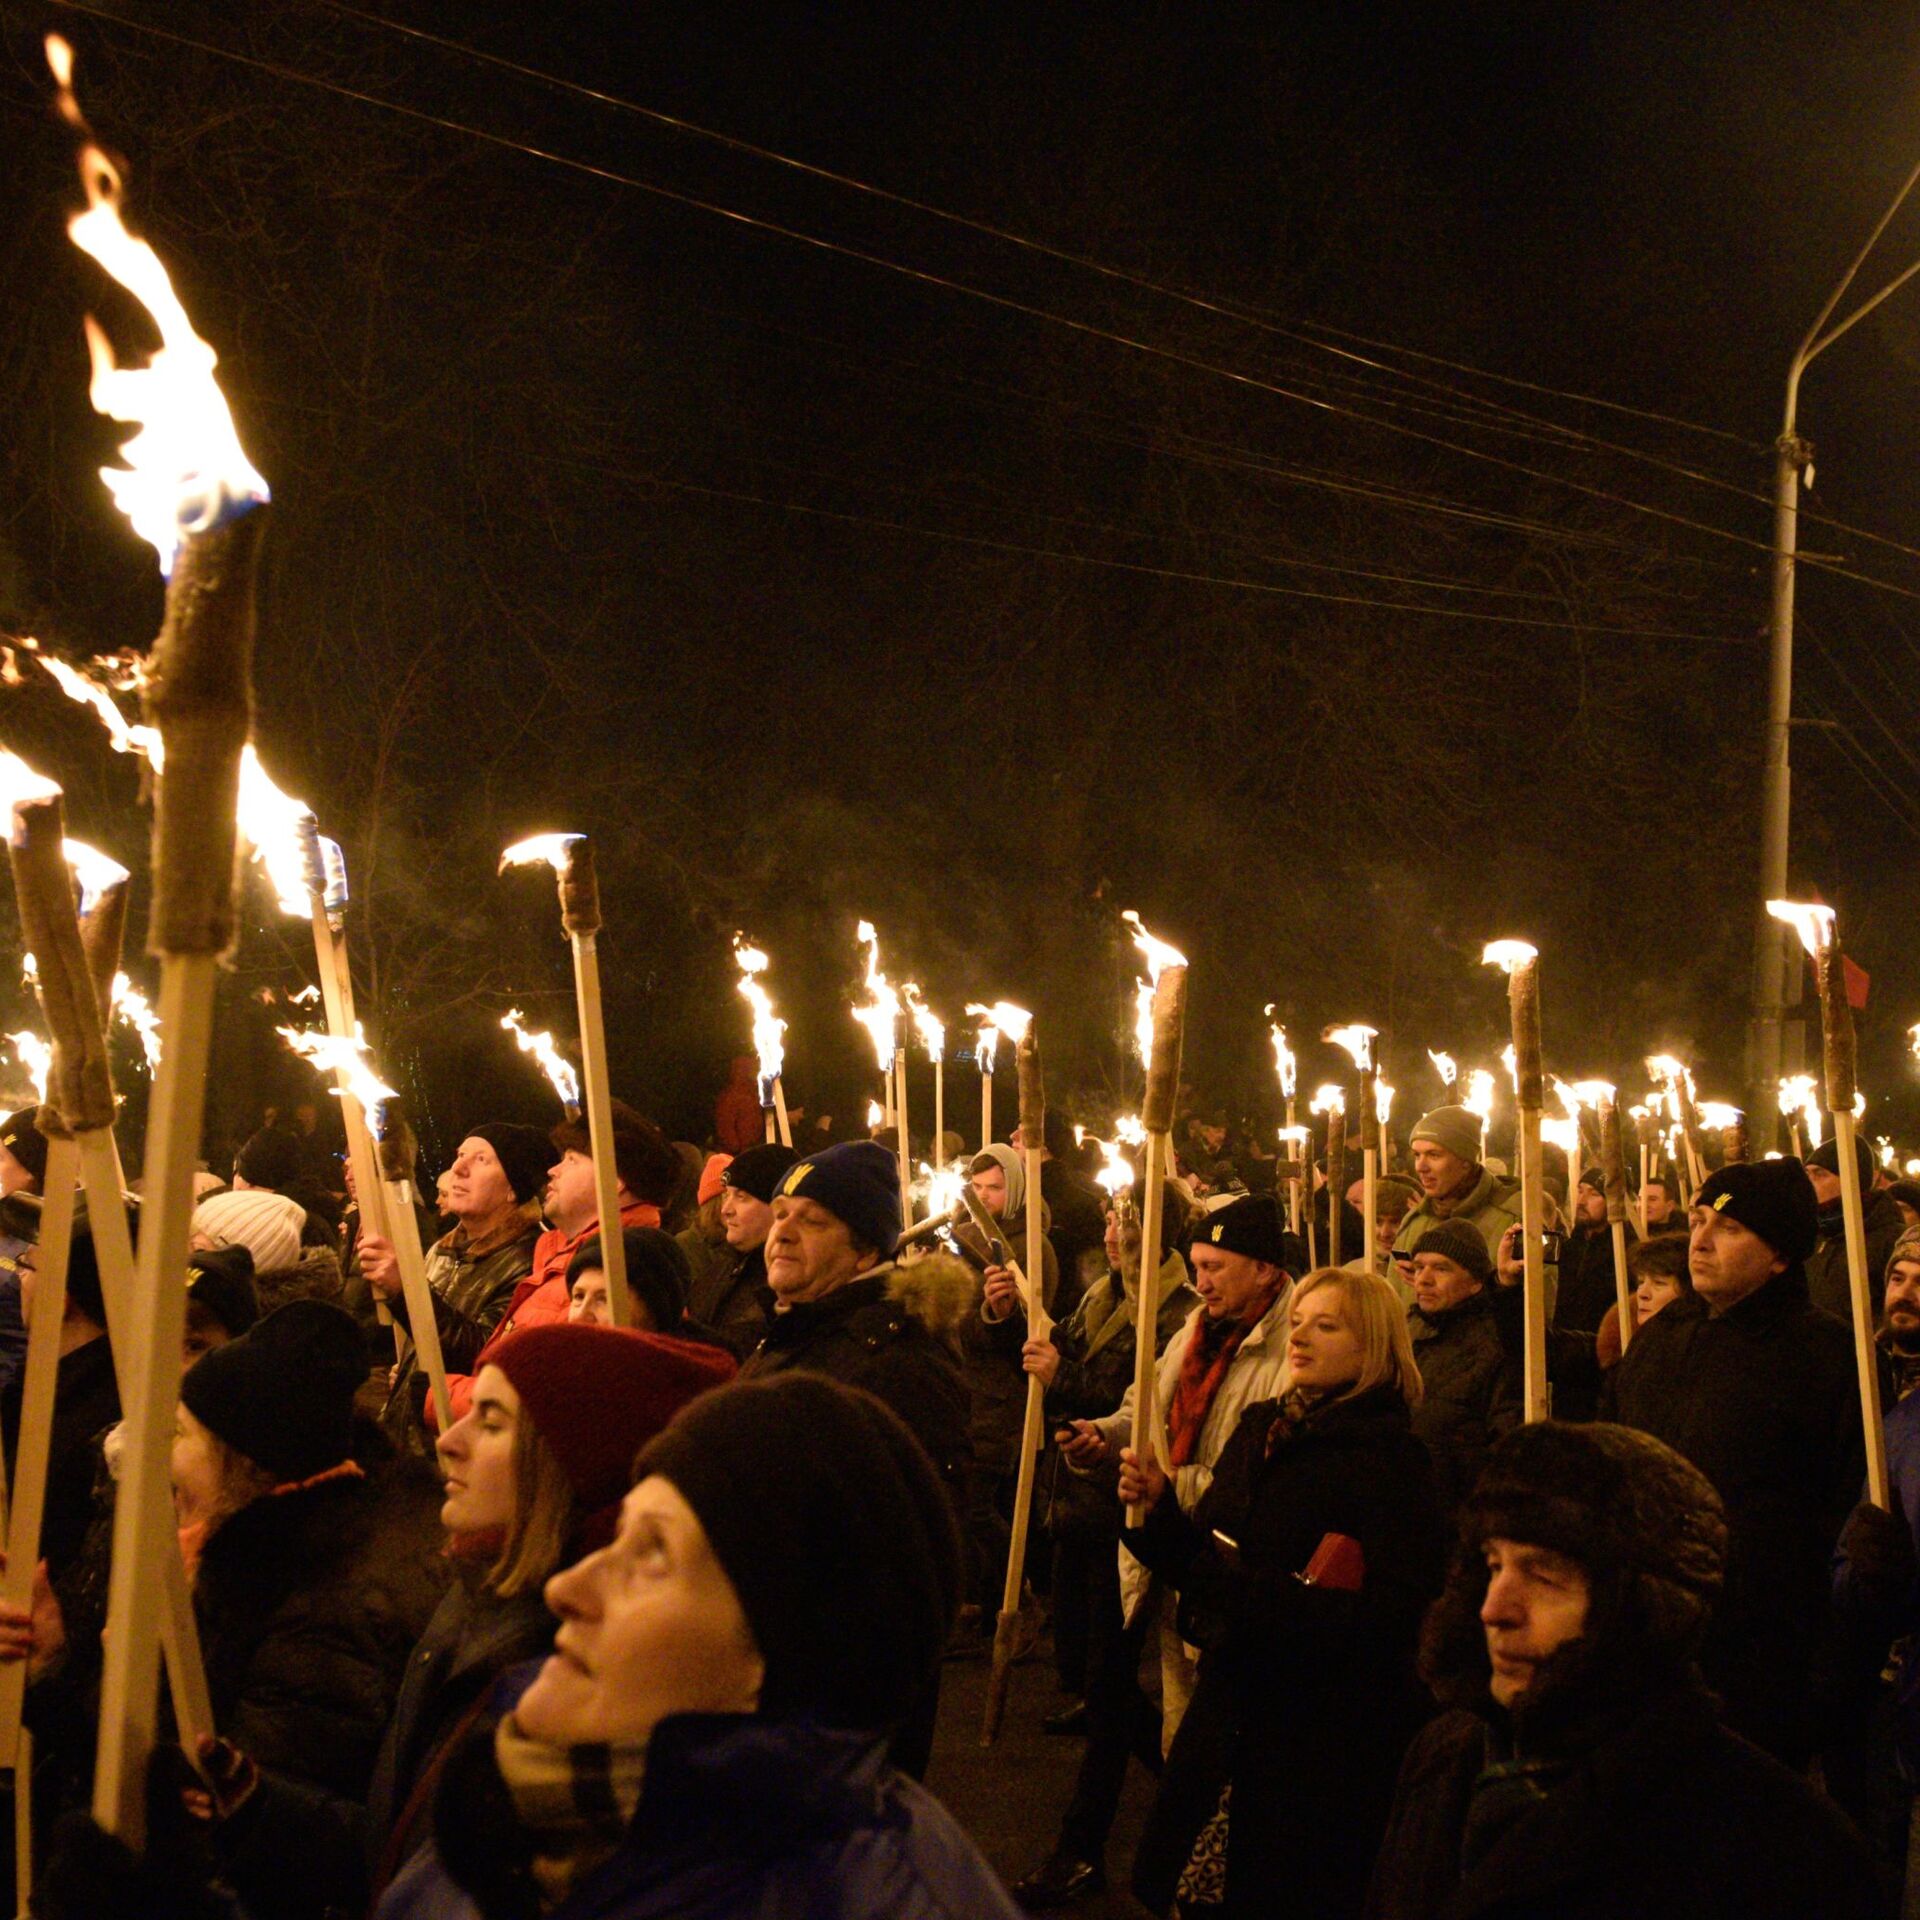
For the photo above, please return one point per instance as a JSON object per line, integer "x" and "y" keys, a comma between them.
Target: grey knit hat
{"x": 1461, "y": 1243}
{"x": 1457, "y": 1129}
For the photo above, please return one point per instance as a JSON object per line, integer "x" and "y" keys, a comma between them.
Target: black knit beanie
{"x": 220, "y": 1283}
{"x": 525, "y": 1154}
{"x": 1251, "y": 1226}
{"x": 1773, "y": 1198}
{"x": 832, "y": 1525}
{"x": 757, "y": 1171}
{"x": 657, "y": 1272}
{"x": 270, "y": 1159}
{"x": 21, "y": 1136}
{"x": 282, "y": 1394}
{"x": 1460, "y": 1242}
{"x": 1827, "y": 1157}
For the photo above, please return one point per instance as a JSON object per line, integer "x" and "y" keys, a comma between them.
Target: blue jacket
{"x": 749, "y": 1819}
{"x": 1881, "y": 1617}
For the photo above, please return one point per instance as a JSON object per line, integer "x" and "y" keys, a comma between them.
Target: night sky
{"x": 885, "y": 566}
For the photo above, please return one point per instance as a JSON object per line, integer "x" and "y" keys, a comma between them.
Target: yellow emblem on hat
{"x": 1720, "y": 1200}
{"x": 1217, "y": 1232}
{"x": 791, "y": 1184}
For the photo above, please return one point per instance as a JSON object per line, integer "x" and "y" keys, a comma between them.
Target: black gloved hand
{"x": 1879, "y": 1549}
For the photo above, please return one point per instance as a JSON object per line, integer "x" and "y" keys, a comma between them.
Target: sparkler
{"x": 1521, "y": 964}
{"x": 570, "y": 855}
{"x": 1820, "y": 935}
{"x": 558, "y": 1069}
{"x": 769, "y": 1039}
{"x": 1162, "y": 1037}
{"x": 188, "y": 489}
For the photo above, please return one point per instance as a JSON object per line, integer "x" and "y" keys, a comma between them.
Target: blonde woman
{"x": 1303, "y": 1574}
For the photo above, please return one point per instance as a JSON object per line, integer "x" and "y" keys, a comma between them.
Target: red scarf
{"x": 1203, "y": 1367}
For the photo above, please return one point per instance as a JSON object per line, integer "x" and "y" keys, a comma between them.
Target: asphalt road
{"x": 1010, "y": 1797}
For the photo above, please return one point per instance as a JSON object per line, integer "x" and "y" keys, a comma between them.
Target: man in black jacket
{"x": 842, "y": 1308}
{"x": 1828, "y": 1285}
{"x": 1471, "y": 1383}
{"x": 1757, "y": 1387}
{"x": 1582, "y": 1772}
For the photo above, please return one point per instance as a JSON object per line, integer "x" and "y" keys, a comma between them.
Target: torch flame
{"x": 1116, "y": 1170}
{"x": 1510, "y": 1061}
{"x": 876, "y": 1115}
{"x": 1563, "y": 1133}
{"x": 123, "y": 734}
{"x": 1130, "y": 1130}
{"x": 941, "y": 1191}
{"x": 96, "y": 872}
{"x": 881, "y": 1015}
{"x": 1719, "y": 1114}
{"x": 185, "y": 470}
{"x": 137, "y": 1011}
{"x": 1357, "y": 1041}
{"x": 270, "y": 822}
{"x": 933, "y": 1036}
{"x": 1288, "y": 1068}
{"x": 1478, "y": 1097}
{"x": 1328, "y": 1099}
{"x": 19, "y": 784}
{"x": 1508, "y": 955}
{"x": 1592, "y": 1093}
{"x": 550, "y": 847}
{"x": 1159, "y": 954}
{"x": 987, "y": 1043}
{"x": 36, "y": 1056}
{"x": 1445, "y": 1067}
{"x": 559, "y": 1071}
{"x": 1813, "y": 923}
{"x": 334, "y": 1053}
{"x": 1382, "y": 1100}
{"x": 769, "y": 1030}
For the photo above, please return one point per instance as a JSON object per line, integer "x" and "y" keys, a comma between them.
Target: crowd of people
{"x": 653, "y": 1619}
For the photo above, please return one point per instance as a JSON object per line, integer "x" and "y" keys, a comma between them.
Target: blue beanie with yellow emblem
{"x": 858, "y": 1182}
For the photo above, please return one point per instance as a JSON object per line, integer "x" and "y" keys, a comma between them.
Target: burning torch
{"x": 1521, "y": 963}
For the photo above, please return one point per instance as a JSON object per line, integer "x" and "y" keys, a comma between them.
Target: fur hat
{"x": 645, "y": 1159}
{"x": 1645, "y": 1525}
{"x": 1457, "y": 1129}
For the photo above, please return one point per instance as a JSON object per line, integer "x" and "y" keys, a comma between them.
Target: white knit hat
{"x": 268, "y": 1225}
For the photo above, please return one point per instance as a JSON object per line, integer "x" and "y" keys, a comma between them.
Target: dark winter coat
{"x": 309, "y": 1603}
{"x": 1307, "y": 1696}
{"x": 734, "y": 1304}
{"x": 1667, "y": 1814}
{"x": 739, "y": 1819}
{"x": 1587, "y": 1286}
{"x": 1472, "y": 1391}
{"x": 1828, "y": 1285}
{"x": 1764, "y": 1400}
{"x": 1077, "y": 1229}
{"x": 86, "y": 1401}
{"x": 1096, "y": 1344}
{"x": 892, "y": 1331}
{"x": 471, "y": 1293}
{"x": 990, "y": 1353}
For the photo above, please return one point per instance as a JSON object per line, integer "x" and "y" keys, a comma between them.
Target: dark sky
{"x": 814, "y": 588}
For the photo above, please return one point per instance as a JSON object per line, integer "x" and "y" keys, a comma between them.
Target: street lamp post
{"x": 1792, "y": 456}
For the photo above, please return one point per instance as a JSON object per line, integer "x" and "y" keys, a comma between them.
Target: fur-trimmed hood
{"x": 316, "y": 1275}
{"x": 939, "y": 1290}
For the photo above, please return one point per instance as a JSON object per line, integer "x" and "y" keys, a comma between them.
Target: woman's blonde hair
{"x": 1374, "y": 1312}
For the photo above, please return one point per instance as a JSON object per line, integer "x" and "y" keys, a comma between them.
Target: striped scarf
{"x": 576, "y": 1803}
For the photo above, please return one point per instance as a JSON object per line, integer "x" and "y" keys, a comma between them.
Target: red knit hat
{"x": 596, "y": 1395}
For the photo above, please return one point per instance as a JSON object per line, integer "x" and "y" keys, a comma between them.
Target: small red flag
{"x": 1858, "y": 980}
